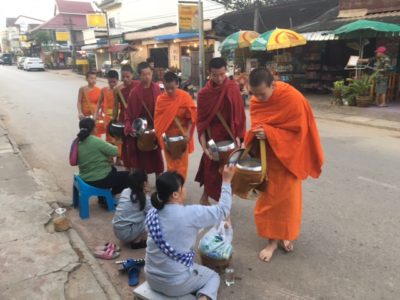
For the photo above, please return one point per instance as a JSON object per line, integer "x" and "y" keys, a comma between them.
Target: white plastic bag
{"x": 217, "y": 242}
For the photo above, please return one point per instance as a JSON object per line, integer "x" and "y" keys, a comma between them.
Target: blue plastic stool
{"x": 82, "y": 193}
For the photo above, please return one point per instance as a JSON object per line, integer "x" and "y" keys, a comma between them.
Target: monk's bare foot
{"x": 267, "y": 253}
{"x": 286, "y": 245}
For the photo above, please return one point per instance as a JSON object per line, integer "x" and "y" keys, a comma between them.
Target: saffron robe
{"x": 89, "y": 105}
{"x": 182, "y": 107}
{"x": 148, "y": 161}
{"x": 227, "y": 100}
{"x": 294, "y": 152}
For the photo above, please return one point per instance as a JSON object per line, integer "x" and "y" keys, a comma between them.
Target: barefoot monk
{"x": 122, "y": 93}
{"x": 221, "y": 96}
{"x": 141, "y": 104}
{"x": 282, "y": 117}
{"x": 175, "y": 116}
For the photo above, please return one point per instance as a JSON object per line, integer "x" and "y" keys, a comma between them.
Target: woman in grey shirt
{"x": 130, "y": 214}
{"x": 172, "y": 232}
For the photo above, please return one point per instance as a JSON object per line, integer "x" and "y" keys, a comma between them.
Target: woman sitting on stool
{"x": 95, "y": 160}
{"x": 172, "y": 232}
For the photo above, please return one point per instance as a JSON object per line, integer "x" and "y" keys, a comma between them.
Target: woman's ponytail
{"x": 86, "y": 127}
{"x": 157, "y": 202}
{"x": 167, "y": 184}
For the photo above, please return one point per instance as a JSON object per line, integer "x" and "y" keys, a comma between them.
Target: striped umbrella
{"x": 278, "y": 39}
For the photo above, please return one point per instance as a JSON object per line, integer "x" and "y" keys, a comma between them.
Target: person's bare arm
{"x": 203, "y": 143}
{"x": 99, "y": 107}
{"x": 79, "y": 103}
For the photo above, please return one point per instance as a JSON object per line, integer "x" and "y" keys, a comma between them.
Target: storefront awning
{"x": 319, "y": 36}
{"x": 93, "y": 47}
{"x": 176, "y": 36}
{"x": 119, "y": 48}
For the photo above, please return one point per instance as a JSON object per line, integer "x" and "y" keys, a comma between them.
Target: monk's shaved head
{"x": 171, "y": 77}
{"x": 217, "y": 63}
{"x": 259, "y": 76}
{"x": 261, "y": 83}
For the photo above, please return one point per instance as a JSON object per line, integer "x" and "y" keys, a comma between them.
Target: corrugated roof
{"x": 332, "y": 24}
{"x": 282, "y": 16}
{"x": 64, "y": 21}
{"x": 74, "y": 7}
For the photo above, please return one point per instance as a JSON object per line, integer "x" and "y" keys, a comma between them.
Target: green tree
{"x": 41, "y": 37}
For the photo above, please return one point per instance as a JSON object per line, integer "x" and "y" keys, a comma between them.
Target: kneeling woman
{"x": 95, "y": 160}
{"x": 172, "y": 229}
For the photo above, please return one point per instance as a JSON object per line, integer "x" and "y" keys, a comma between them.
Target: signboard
{"x": 96, "y": 20}
{"x": 81, "y": 62}
{"x": 23, "y": 38}
{"x": 188, "y": 17}
{"x": 62, "y": 36}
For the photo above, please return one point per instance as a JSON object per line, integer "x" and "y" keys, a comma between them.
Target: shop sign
{"x": 81, "y": 62}
{"x": 96, "y": 20}
{"x": 23, "y": 38}
{"x": 188, "y": 17}
{"x": 62, "y": 36}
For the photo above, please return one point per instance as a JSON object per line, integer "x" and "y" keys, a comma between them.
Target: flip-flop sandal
{"x": 139, "y": 245}
{"x": 127, "y": 264}
{"x": 107, "y": 246}
{"x": 133, "y": 275}
{"x": 107, "y": 255}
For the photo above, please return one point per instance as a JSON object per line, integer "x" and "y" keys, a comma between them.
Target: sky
{"x": 39, "y": 9}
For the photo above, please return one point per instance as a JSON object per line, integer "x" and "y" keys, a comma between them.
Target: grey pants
{"x": 128, "y": 234}
{"x": 203, "y": 281}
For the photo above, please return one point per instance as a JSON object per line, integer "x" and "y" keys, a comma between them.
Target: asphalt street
{"x": 349, "y": 246}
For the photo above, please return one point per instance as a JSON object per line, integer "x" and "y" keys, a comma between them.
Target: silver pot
{"x": 139, "y": 126}
{"x": 172, "y": 139}
{"x": 222, "y": 146}
{"x": 249, "y": 164}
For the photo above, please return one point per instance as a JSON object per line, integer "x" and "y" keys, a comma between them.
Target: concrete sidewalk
{"x": 36, "y": 262}
{"x": 373, "y": 116}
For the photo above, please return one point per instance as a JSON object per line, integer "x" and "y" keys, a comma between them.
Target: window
{"x": 111, "y": 22}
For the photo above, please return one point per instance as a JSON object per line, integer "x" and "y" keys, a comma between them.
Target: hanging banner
{"x": 188, "y": 17}
{"x": 62, "y": 36}
{"x": 96, "y": 20}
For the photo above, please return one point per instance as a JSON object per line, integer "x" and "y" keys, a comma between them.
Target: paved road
{"x": 350, "y": 237}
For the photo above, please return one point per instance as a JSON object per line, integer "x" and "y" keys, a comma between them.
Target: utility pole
{"x": 108, "y": 33}
{"x": 72, "y": 38}
{"x": 201, "y": 45}
{"x": 256, "y": 15}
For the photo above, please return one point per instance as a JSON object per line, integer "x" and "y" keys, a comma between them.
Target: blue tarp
{"x": 184, "y": 35}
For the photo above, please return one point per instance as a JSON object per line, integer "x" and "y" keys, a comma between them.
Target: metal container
{"x": 139, "y": 126}
{"x": 220, "y": 151}
{"x": 116, "y": 129}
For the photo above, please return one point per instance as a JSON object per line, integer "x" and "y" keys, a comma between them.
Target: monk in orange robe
{"x": 175, "y": 104}
{"x": 88, "y": 96}
{"x": 282, "y": 117}
{"x": 121, "y": 95}
{"x": 105, "y": 107}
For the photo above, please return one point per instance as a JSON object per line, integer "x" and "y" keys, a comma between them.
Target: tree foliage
{"x": 41, "y": 37}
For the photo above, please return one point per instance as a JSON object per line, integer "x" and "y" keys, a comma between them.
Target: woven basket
{"x": 218, "y": 265}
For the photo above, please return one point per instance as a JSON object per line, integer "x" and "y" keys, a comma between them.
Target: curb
{"x": 341, "y": 120}
{"x": 75, "y": 240}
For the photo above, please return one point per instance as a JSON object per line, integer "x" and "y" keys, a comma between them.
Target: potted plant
{"x": 338, "y": 91}
{"x": 361, "y": 88}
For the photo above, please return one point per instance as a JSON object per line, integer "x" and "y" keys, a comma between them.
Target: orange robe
{"x": 168, "y": 108}
{"x": 108, "y": 107}
{"x": 294, "y": 152}
{"x": 89, "y": 105}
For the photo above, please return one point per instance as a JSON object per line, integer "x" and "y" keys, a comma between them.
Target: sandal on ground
{"x": 139, "y": 245}
{"x": 133, "y": 275}
{"x": 107, "y": 255}
{"x": 107, "y": 246}
{"x": 130, "y": 262}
